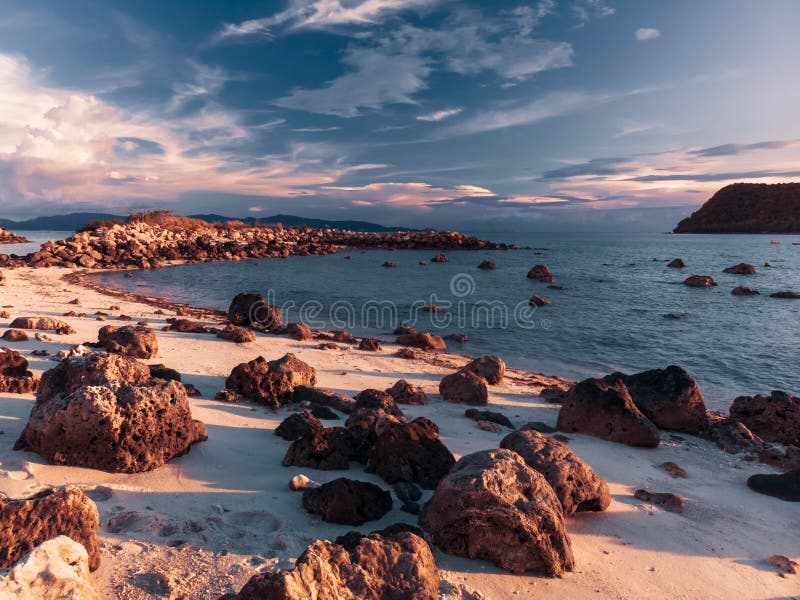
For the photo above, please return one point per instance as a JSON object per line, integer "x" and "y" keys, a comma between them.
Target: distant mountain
{"x": 748, "y": 208}
{"x": 75, "y": 221}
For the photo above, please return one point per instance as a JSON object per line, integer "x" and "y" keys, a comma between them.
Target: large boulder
{"x": 41, "y": 323}
{"x": 423, "y": 341}
{"x": 15, "y": 378}
{"x": 271, "y": 382}
{"x": 254, "y": 311}
{"x": 298, "y": 331}
{"x": 138, "y": 341}
{"x": 93, "y": 369}
{"x": 464, "y": 387}
{"x": 405, "y": 392}
{"x": 785, "y": 486}
{"x": 774, "y": 418}
{"x": 605, "y": 410}
{"x": 57, "y": 569}
{"x": 378, "y": 399}
{"x": 323, "y": 397}
{"x": 541, "y": 273}
{"x": 491, "y": 368}
{"x": 239, "y": 335}
{"x": 410, "y": 452}
{"x": 24, "y": 524}
{"x": 492, "y": 506}
{"x": 381, "y": 566}
{"x": 575, "y": 483}
{"x": 347, "y": 501}
{"x": 298, "y": 425}
{"x": 668, "y": 397}
{"x": 326, "y": 449}
{"x": 699, "y": 281}
{"x": 741, "y": 269}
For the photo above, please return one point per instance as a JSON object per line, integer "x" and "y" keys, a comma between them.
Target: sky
{"x": 496, "y": 115}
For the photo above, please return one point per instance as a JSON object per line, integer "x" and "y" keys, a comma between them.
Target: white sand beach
{"x": 203, "y": 524}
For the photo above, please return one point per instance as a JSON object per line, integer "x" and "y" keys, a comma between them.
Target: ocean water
{"x": 36, "y": 239}
{"x": 609, "y": 317}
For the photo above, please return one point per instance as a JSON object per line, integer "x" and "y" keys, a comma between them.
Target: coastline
{"x": 205, "y": 522}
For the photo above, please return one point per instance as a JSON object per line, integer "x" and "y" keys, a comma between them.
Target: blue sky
{"x": 552, "y": 114}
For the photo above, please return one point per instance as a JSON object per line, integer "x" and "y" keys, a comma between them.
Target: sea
{"x": 609, "y": 316}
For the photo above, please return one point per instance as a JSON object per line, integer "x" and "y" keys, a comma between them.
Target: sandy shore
{"x": 204, "y": 523}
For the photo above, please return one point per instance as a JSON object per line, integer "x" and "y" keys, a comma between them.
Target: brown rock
{"x": 699, "y": 281}
{"x": 185, "y": 326}
{"x": 605, "y": 410}
{"x": 670, "y": 502}
{"x": 491, "y": 368}
{"x": 784, "y": 564}
{"x": 424, "y": 341}
{"x": 487, "y": 265}
{"x": 774, "y": 418}
{"x": 370, "y": 345}
{"x": 132, "y": 340}
{"x": 538, "y": 301}
{"x": 240, "y": 335}
{"x": 741, "y": 269}
{"x": 389, "y": 264}
{"x": 327, "y": 449}
{"x": 541, "y": 273}
{"x": 298, "y": 425}
{"x": 12, "y": 363}
{"x": 785, "y": 295}
{"x": 378, "y": 399}
{"x": 575, "y": 483}
{"x": 785, "y": 486}
{"x": 439, "y": 258}
{"x": 347, "y": 501}
{"x": 15, "y": 335}
{"x": 488, "y": 415}
{"x": 93, "y": 369}
{"x": 492, "y": 506}
{"x": 407, "y": 354}
{"x": 676, "y": 263}
{"x": 323, "y": 397}
{"x": 554, "y": 394}
{"x": 464, "y": 387}
{"x": 410, "y": 452}
{"x": 674, "y": 470}
{"x": 271, "y": 382}
{"x": 404, "y": 392}
{"x": 299, "y": 331}
{"x": 743, "y": 290}
{"x": 254, "y": 311}
{"x": 50, "y": 513}
{"x": 396, "y": 566}
{"x": 42, "y": 323}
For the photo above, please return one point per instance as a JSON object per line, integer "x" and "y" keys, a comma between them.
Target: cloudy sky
{"x": 557, "y": 114}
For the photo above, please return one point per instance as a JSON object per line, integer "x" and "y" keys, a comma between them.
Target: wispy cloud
{"x": 440, "y": 115}
{"x": 734, "y": 149}
{"x": 416, "y": 195}
{"x": 315, "y": 129}
{"x": 589, "y": 10}
{"x": 647, "y": 33}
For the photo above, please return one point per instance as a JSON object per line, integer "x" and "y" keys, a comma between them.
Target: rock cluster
{"x": 102, "y": 411}
{"x": 8, "y": 237}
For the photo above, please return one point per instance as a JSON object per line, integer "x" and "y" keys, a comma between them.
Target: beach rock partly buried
{"x": 492, "y": 506}
{"x": 605, "y": 410}
{"x": 370, "y": 345}
{"x": 12, "y": 363}
{"x": 57, "y": 569}
{"x": 575, "y": 483}
{"x": 741, "y": 269}
{"x": 323, "y": 397}
{"x": 774, "y": 418}
{"x": 15, "y": 335}
{"x": 299, "y": 331}
{"x": 699, "y": 281}
{"x": 347, "y": 501}
{"x": 491, "y": 368}
{"x": 785, "y": 486}
{"x": 131, "y": 340}
{"x": 464, "y": 387}
{"x": 670, "y": 502}
{"x": 119, "y": 429}
{"x": 42, "y": 323}
{"x": 404, "y": 392}
{"x": 668, "y": 397}
{"x": 253, "y": 310}
{"x": 410, "y": 452}
{"x": 424, "y": 341}
{"x": 386, "y": 565}
{"x": 240, "y": 335}
{"x": 298, "y": 425}
{"x": 489, "y": 416}
{"x": 271, "y": 382}
{"x": 28, "y": 522}
{"x": 541, "y": 273}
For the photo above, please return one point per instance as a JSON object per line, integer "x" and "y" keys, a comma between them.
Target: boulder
{"x": 271, "y": 382}
{"x": 254, "y": 311}
{"x": 464, "y": 387}
{"x": 299, "y": 331}
{"x": 382, "y": 566}
{"x": 575, "y": 483}
{"x": 785, "y": 486}
{"x": 741, "y": 269}
{"x": 347, "y": 501}
{"x": 492, "y": 506}
{"x": 491, "y": 368}
{"x": 370, "y": 345}
{"x": 161, "y": 371}
{"x": 410, "y": 452}
{"x": 378, "y": 399}
{"x": 671, "y": 502}
{"x": 668, "y": 397}
{"x": 488, "y": 415}
{"x": 699, "y": 281}
{"x": 389, "y": 264}
{"x": 743, "y": 290}
{"x": 676, "y": 263}
{"x": 298, "y": 425}
{"x": 301, "y": 482}
{"x": 29, "y": 522}
{"x": 13, "y": 364}
{"x": 325, "y": 413}
{"x": 785, "y": 295}
{"x": 92, "y": 369}
{"x": 54, "y": 570}
{"x": 15, "y": 335}
{"x": 605, "y": 410}
{"x": 774, "y": 418}
{"x": 538, "y": 301}
{"x": 404, "y": 392}
{"x": 541, "y": 273}
{"x": 236, "y": 334}
{"x": 42, "y": 323}
{"x": 186, "y": 326}
{"x": 423, "y": 341}
{"x": 326, "y": 449}
{"x": 487, "y": 265}
{"x": 119, "y": 429}
{"x": 439, "y": 258}
{"x": 404, "y": 330}
{"x": 131, "y": 340}
{"x": 323, "y": 397}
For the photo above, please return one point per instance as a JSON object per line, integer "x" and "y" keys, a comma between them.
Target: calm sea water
{"x": 610, "y": 317}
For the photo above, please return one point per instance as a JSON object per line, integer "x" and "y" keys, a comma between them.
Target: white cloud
{"x": 420, "y": 196}
{"x": 440, "y": 115}
{"x": 589, "y": 10}
{"x": 647, "y": 33}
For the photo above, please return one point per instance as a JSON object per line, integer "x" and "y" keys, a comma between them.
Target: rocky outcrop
{"x": 271, "y": 382}
{"x": 7, "y": 237}
{"x": 137, "y": 341}
{"x": 382, "y": 566}
{"x": 668, "y": 397}
{"x": 252, "y": 310}
{"x": 605, "y": 410}
{"x": 48, "y": 514}
{"x": 541, "y": 273}
{"x": 699, "y": 281}
{"x": 575, "y": 483}
{"x": 403, "y": 392}
{"x": 491, "y": 368}
{"x": 424, "y": 341}
{"x": 748, "y": 208}
{"x": 740, "y": 269}
{"x": 93, "y": 369}
{"x": 410, "y": 452}
{"x": 42, "y": 324}
{"x": 494, "y": 507}
{"x": 57, "y": 569}
{"x": 347, "y": 501}
{"x": 774, "y": 418}
{"x": 464, "y": 387}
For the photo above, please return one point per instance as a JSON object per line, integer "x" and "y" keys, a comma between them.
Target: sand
{"x": 204, "y": 523}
